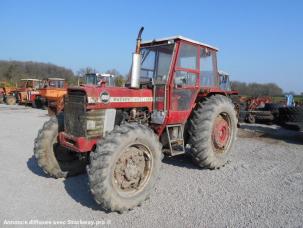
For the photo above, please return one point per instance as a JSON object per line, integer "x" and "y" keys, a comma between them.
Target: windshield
{"x": 108, "y": 80}
{"x": 53, "y": 84}
{"x": 155, "y": 62}
{"x": 56, "y": 84}
{"x": 91, "y": 79}
{"x": 225, "y": 83}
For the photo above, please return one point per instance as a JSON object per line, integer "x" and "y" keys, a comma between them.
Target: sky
{"x": 258, "y": 41}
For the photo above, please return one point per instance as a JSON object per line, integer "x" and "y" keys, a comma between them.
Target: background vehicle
{"x": 97, "y": 78}
{"x": 225, "y": 83}
{"x": 51, "y": 95}
{"x": 8, "y": 93}
{"x": 3, "y": 84}
{"x": 173, "y": 105}
{"x": 254, "y": 109}
{"x": 291, "y": 115}
{"x": 27, "y": 90}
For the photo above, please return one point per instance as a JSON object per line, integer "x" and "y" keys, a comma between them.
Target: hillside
{"x": 13, "y": 71}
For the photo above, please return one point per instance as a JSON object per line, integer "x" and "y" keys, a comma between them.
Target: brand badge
{"x": 104, "y": 97}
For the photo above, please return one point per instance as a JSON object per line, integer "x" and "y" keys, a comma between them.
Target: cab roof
{"x": 178, "y": 37}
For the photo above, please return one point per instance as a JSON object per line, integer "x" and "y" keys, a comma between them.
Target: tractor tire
{"x": 273, "y": 108}
{"x": 213, "y": 130}
{"x": 250, "y": 119}
{"x": 11, "y": 100}
{"x": 291, "y": 114}
{"x": 124, "y": 167}
{"x": 55, "y": 160}
{"x": 262, "y": 116}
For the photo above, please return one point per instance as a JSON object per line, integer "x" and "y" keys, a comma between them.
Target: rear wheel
{"x": 55, "y": 160}
{"x": 213, "y": 129}
{"x": 124, "y": 167}
{"x": 11, "y": 100}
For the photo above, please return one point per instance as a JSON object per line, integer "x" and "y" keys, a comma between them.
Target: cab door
{"x": 184, "y": 85}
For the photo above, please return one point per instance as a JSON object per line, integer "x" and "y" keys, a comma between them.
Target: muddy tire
{"x": 55, "y": 160}
{"x": 124, "y": 167}
{"x": 213, "y": 129}
{"x": 11, "y": 100}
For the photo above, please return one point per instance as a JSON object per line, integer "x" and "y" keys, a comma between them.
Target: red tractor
{"x": 173, "y": 104}
{"x": 27, "y": 91}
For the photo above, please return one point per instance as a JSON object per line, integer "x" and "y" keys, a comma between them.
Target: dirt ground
{"x": 262, "y": 186}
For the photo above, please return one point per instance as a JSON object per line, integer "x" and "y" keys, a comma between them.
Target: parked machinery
{"x": 3, "y": 84}
{"x": 291, "y": 115}
{"x": 27, "y": 90}
{"x": 97, "y": 79}
{"x": 8, "y": 93}
{"x": 172, "y": 105}
{"x": 51, "y": 95}
{"x": 254, "y": 109}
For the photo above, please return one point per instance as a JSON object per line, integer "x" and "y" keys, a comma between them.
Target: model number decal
{"x": 106, "y": 98}
{"x": 130, "y": 99}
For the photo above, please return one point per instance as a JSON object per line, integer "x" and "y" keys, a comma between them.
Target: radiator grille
{"x": 76, "y": 116}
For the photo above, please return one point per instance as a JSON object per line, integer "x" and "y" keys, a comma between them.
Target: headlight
{"x": 90, "y": 125}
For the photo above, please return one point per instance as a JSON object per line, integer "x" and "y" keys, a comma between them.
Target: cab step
{"x": 175, "y": 139}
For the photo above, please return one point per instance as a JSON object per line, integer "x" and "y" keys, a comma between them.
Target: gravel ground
{"x": 262, "y": 186}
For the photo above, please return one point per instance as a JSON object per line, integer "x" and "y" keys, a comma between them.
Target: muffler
{"x": 136, "y": 64}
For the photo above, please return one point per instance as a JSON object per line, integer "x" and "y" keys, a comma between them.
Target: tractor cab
{"x": 225, "y": 83}
{"x": 51, "y": 94}
{"x": 91, "y": 79}
{"x": 29, "y": 84}
{"x": 26, "y": 89}
{"x": 54, "y": 83}
{"x": 179, "y": 69}
{"x": 98, "y": 79}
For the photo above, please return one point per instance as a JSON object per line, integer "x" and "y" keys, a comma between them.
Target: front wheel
{"x": 212, "y": 130}
{"x": 11, "y": 100}
{"x": 55, "y": 160}
{"x": 124, "y": 167}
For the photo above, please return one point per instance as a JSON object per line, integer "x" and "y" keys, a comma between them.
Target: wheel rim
{"x": 133, "y": 169}
{"x": 221, "y": 133}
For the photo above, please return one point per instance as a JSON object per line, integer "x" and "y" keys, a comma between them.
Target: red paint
{"x": 77, "y": 144}
{"x": 221, "y": 133}
{"x": 175, "y": 112}
{"x": 95, "y": 91}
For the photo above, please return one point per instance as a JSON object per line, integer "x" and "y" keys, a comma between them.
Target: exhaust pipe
{"x": 136, "y": 65}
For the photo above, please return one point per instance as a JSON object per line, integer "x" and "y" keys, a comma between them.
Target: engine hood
{"x": 116, "y": 97}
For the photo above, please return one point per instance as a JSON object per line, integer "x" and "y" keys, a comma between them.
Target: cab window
{"x": 188, "y": 57}
{"x": 208, "y": 69}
